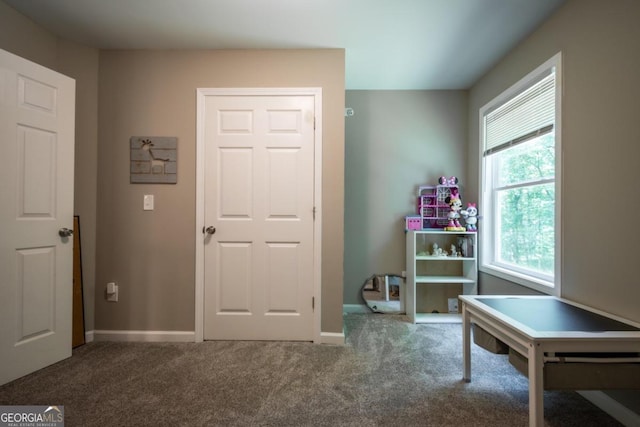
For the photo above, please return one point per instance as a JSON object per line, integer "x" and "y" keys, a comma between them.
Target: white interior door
{"x": 36, "y": 202}
{"x": 259, "y": 185}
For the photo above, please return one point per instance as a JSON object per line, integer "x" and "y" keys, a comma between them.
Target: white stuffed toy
{"x": 470, "y": 216}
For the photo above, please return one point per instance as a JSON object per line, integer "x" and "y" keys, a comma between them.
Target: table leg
{"x": 466, "y": 344}
{"x": 536, "y": 386}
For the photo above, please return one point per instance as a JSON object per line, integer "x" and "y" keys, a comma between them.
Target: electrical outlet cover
{"x": 453, "y": 305}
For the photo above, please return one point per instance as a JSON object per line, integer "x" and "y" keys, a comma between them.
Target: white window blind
{"x": 527, "y": 115}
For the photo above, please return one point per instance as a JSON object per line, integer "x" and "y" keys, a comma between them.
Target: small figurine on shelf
{"x": 455, "y": 204}
{"x": 470, "y": 216}
{"x": 437, "y": 251}
{"x": 454, "y": 251}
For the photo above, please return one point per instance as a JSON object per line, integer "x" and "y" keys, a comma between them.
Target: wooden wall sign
{"x": 154, "y": 159}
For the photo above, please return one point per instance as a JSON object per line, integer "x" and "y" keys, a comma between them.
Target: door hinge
{"x": 314, "y": 213}
{"x": 314, "y": 123}
{"x": 313, "y": 303}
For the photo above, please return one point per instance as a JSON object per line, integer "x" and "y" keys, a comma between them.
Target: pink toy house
{"x": 412, "y": 222}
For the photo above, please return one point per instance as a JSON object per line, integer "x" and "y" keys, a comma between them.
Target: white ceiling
{"x": 389, "y": 44}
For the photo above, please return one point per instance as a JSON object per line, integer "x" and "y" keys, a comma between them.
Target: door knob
{"x": 210, "y": 230}
{"x": 65, "y": 232}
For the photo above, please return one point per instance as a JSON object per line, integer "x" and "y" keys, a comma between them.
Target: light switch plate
{"x": 112, "y": 292}
{"x": 148, "y": 202}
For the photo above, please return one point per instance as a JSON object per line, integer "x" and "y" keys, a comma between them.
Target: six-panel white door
{"x": 36, "y": 202}
{"x": 259, "y": 172}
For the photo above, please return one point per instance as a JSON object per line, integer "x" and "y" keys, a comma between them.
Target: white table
{"x": 537, "y": 327}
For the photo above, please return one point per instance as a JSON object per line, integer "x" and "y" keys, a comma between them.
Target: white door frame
{"x": 201, "y": 94}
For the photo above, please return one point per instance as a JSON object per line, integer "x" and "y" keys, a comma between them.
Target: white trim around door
{"x": 201, "y": 95}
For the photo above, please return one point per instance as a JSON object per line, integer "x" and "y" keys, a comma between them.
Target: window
{"x": 520, "y": 179}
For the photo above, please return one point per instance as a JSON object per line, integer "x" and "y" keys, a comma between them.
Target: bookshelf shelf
{"x": 432, "y": 281}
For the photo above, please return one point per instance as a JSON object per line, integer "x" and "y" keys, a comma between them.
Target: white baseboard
{"x": 355, "y": 308}
{"x": 612, "y": 407}
{"x": 88, "y": 336}
{"x": 145, "y": 336}
{"x": 336, "y": 338}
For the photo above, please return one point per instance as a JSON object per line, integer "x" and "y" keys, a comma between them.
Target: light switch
{"x": 112, "y": 292}
{"x": 148, "y": 202}
{"x": 111, "y": 288}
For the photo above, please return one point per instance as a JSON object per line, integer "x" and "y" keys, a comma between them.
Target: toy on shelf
{"x": 438, "y": 251}
{"x": 432, "y": 206}
{"x": 412, "y": 222}
{"x": 470, "y": 216}
{"x": 454, "y": 251}
{"x": 455, "y": 205}
{"x": 451, "y": 181}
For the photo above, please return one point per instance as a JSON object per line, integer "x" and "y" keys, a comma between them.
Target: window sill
{"x": 521, "y": 279}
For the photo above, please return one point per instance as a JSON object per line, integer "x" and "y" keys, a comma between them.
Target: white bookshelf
{"x": 432, "y": 280}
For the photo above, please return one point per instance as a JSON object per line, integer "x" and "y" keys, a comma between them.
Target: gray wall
{"x": 600, "y": 42}
{"x": 153, "y": 93}
{"x": 396, "y": 141}
{"x": 151, "y": 255}
{"x": 21, "y": 36}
